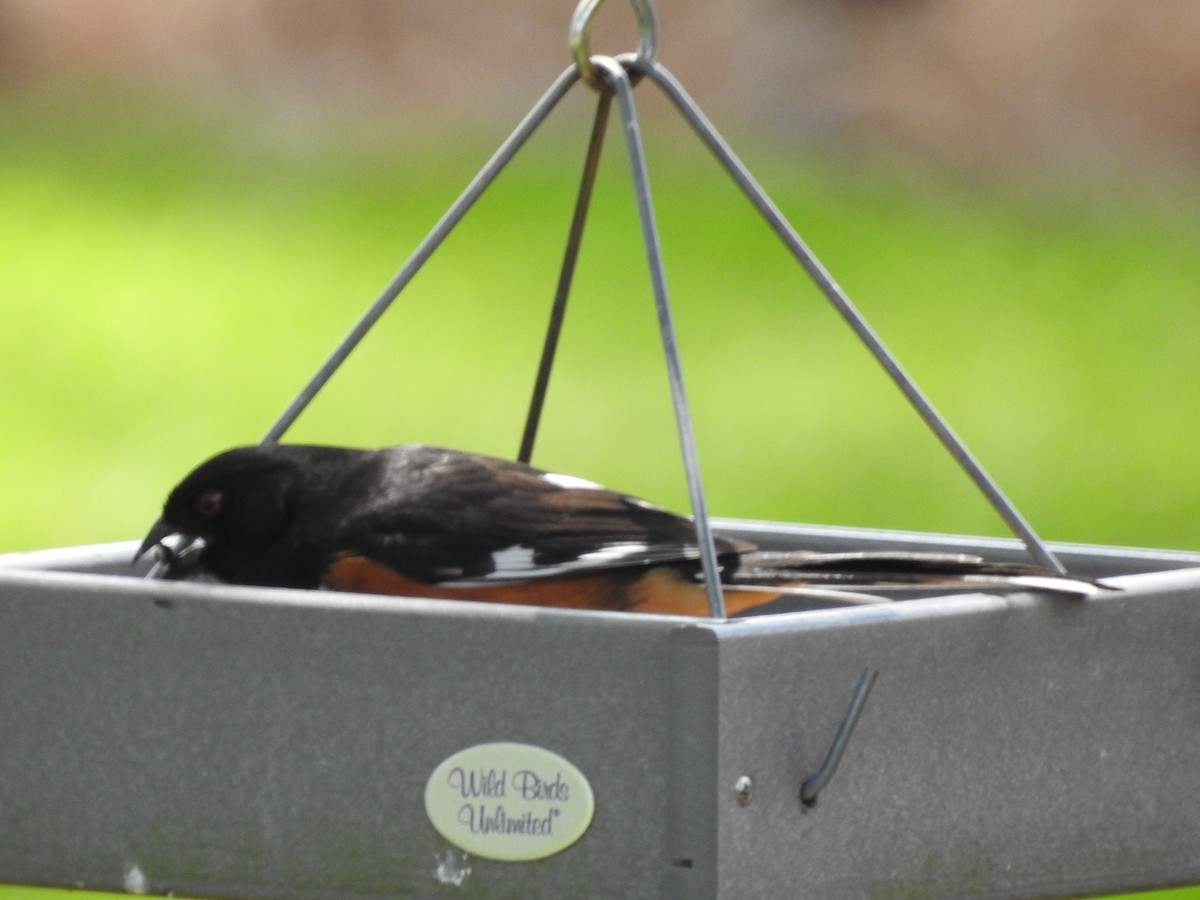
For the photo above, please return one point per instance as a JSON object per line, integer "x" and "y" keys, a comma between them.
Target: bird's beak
{"x": 160, "y": 531}
{"x": 176, "y": 561}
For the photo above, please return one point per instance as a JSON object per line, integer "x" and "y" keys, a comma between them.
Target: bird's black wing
{"x": 439, "y": 515}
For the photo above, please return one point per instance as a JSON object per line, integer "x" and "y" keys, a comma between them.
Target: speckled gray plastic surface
{"x": 217, "y": 741}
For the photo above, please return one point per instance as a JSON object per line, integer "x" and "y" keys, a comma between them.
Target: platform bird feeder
{"x": 210, "y": 740}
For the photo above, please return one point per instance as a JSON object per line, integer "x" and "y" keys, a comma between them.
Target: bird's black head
{"x": 238, "y": 503}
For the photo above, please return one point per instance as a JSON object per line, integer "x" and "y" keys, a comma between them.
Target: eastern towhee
{"x": 422, "y": 521}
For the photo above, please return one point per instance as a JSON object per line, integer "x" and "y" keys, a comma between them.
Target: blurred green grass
{"x": 169, "y": 283}
{"x": 169, "y": 286}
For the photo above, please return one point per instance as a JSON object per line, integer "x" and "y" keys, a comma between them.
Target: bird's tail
{"x": 799, "y": 579}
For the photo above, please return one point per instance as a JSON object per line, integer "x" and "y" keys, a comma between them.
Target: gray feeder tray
{"x": 216, "y": 741}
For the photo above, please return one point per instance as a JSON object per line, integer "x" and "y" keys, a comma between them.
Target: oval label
{"x": 511, "y": 802}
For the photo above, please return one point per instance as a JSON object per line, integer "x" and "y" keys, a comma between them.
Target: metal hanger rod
{"x": 614, "y": 74}
{"x": 836, "y": 296}
{"x": 432, "y": 241}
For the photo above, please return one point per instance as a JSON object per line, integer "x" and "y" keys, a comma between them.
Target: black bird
{"x": 423, "y": 521}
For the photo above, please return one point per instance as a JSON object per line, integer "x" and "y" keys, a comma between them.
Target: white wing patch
{"x": 571, "y": 481}
{"x": 613, "y": 552}
{"x": 513, "y": 559}
{"x": 644, "y": 504}
{"x": 577, "y": 483}
{"x": 517, "y": 562}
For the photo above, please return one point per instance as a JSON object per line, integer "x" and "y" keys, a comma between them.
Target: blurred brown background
{"x": 1105, "y": 84}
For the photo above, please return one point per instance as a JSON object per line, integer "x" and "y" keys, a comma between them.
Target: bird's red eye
{"x": 208, "y": 504}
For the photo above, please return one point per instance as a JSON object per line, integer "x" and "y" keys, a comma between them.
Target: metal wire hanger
{"x": 614, "y": 77}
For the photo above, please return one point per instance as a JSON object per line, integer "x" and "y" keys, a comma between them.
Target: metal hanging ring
{"x": 579, "y": 37}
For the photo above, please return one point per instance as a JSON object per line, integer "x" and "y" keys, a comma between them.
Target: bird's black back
{"x": 434, "y": 515}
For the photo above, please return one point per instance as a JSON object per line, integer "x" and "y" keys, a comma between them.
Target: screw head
{"x": 743, "y": 790}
